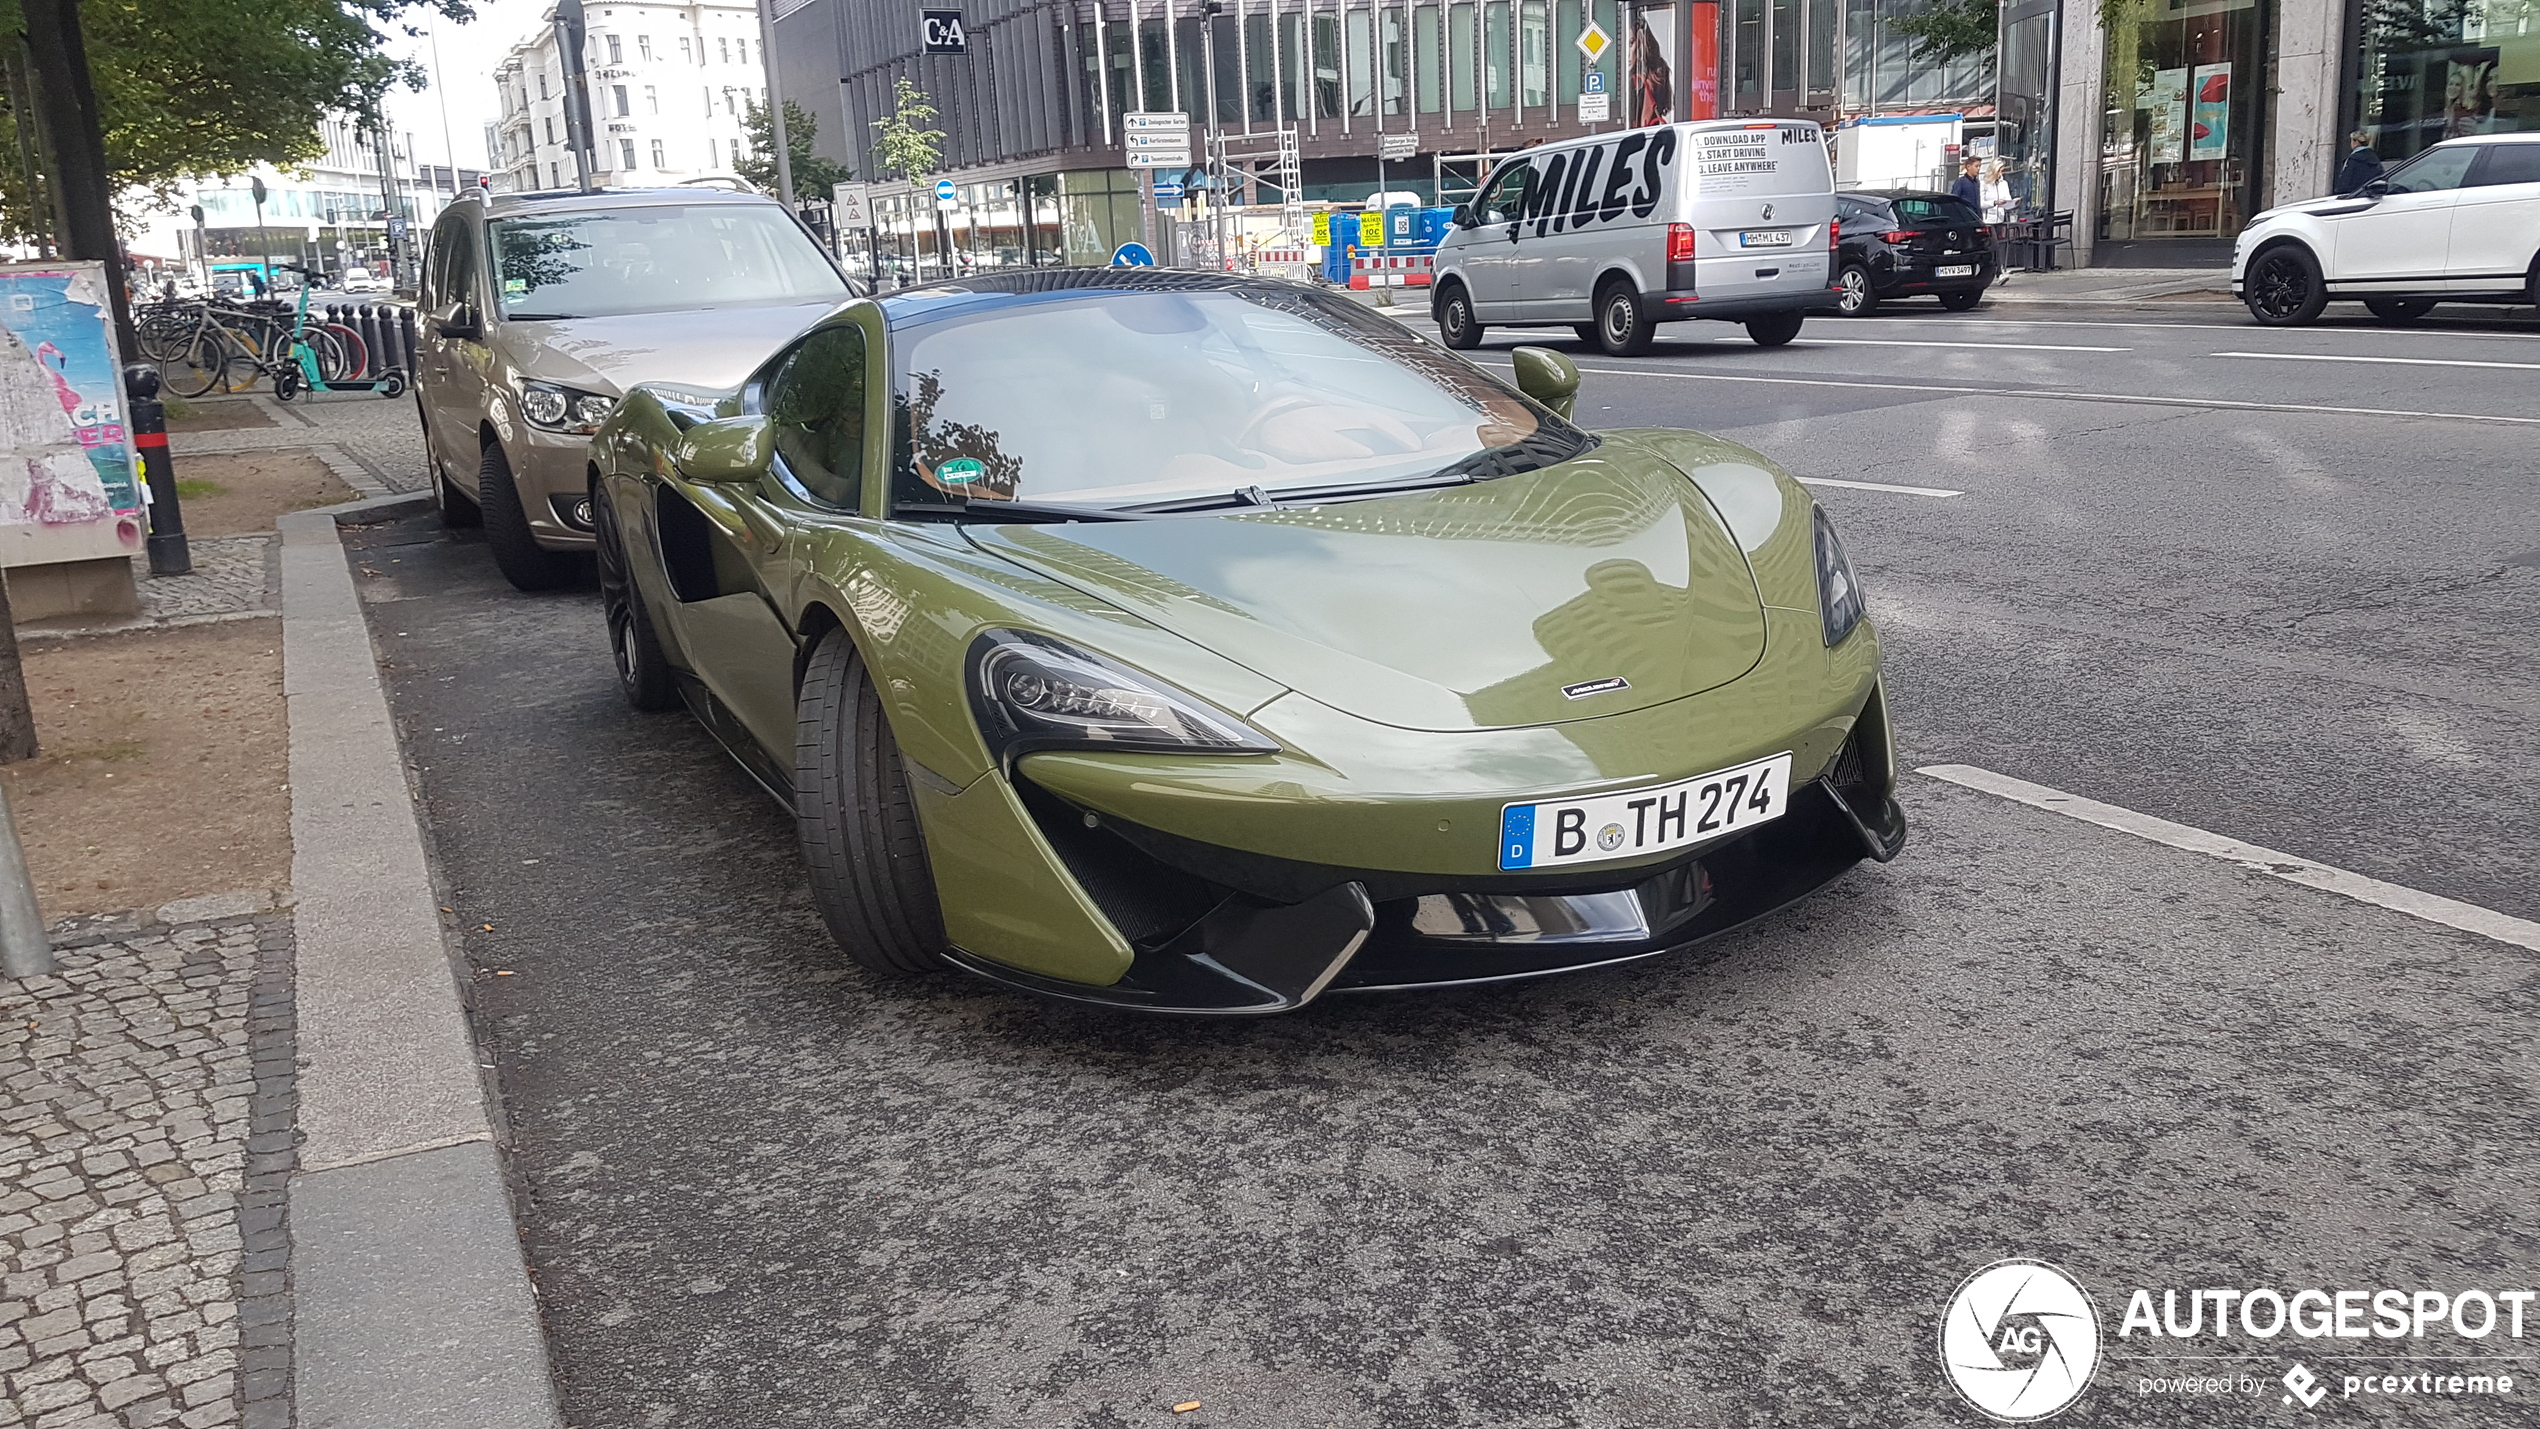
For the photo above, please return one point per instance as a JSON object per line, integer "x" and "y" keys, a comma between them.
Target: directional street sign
{"x": 1165, "y": 189}
{"x": 1156, "y": 139}
{"x": 1393, "y": 148}
{"x": 1594, "y": 42}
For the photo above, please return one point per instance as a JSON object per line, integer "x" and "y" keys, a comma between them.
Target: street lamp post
{"x": 1216, "y": 166}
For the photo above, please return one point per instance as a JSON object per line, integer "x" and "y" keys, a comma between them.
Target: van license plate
{"x": 1955, "y": 270}
{"x": 1773, "y": 238}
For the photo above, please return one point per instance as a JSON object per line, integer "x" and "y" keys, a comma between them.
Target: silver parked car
{"x": 540, "y": 310}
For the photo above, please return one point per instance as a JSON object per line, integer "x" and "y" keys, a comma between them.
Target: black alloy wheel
{"x": 1963, "y": 299}
{"x": 517, "y": 554}
{"x": 1855, "y": 296}
{"x": 1623, "y": 327}
{"x": 1457, "y": 327}
{"x": 643, "y": 671}
{"x": 2398, "y": 310}
{"x": 1775, "y": 329}
{"x": 858, "y": 822}
{"x": 2283, "y": 287}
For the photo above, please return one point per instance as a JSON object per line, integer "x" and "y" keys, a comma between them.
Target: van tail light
{"x": 1896, "y": 235}
{"x": 1679, "y": 243}
{"x": 1834, "y": 233}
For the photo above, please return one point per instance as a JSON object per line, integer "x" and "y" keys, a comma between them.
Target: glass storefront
{"x": 1040, "y": 221}
{"x": 2438, "y": 69}
{"x": 2190, "y": 103}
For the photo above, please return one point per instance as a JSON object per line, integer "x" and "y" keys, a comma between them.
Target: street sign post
{"x": 1595, "y": 105}
{"x": 946, "y": 199}
{"x": 943, "y": 33}
{"x": 1156, "y": 139}
{"x": 851, "y": 205}
{"x": 1394, "y": 148}
{"x": 1594, "y": 42}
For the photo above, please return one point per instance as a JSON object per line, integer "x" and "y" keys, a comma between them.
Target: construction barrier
{"x": 1379, "y": 268}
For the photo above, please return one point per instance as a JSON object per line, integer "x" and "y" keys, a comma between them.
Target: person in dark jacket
{"x": 1967, "y": 187}
{"x": 2362, "y": 166}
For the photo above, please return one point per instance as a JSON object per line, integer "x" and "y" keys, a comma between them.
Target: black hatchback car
{"x": 1904, "y": 242}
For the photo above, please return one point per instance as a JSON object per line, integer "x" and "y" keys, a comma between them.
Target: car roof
{"x": 1887, "y": 194}
{"x": 2528, "y": 136}
{"x": 947, "y": 297}
{"x": 499, "y": 205}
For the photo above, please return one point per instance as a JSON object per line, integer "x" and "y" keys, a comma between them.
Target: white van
{"x": 1616, "y": 233}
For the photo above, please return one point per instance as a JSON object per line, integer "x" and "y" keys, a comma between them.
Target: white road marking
{"x": 2385, "y": 361}
{"x": 1879, "y": 486}
{"x": 2209, "y": 403}
{"x": 2451, "y": 913}
{"x": 1978, "y": 346}
{"x": 2243, "y": 327}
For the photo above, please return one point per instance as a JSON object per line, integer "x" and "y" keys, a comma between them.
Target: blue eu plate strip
{"x": 1517, "y": 836}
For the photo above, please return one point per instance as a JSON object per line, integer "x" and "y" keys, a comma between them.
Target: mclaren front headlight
{"x": 1838, "y": 589}
{"x": 564, "y": 409}
{"x": 1032, "y": 692}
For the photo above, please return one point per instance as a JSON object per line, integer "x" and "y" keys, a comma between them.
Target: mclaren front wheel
{"x": 858, "y": 821}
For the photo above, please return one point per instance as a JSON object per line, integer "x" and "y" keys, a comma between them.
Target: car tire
{"x": 1775, "y": 329}
{"x": 2283, "y": 287}
{"x": 858, "y": 822}
{"x": 1623, "y": 324}
{"x": 2397, "y": 311}
{"x": 1855, "y": 295}
{"x": 1962, "y": 300}
{"x": 1457, "y": 327}
{"x": 517, "y": 554}
{"x": 1586, "y": 332}
{"x": 643, "y": 671}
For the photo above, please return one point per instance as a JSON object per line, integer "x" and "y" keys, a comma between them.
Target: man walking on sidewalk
{"x": 2362, "y": 165}
{"x": 1967, "y": 188}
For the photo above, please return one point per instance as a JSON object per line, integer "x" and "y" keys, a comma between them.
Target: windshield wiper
{"x": 1004, "y": 511}
{"x": 543, "y": 317}
{"x": 1254, "y": 496}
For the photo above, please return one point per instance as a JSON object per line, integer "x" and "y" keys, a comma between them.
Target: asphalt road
{"x": 1733, "y": 1188}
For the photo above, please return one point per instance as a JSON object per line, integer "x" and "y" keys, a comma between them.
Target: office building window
{"x": 644, "y": 46}
{"x": 1534, "y": 55}
{"x": 626, "y": 153}
{"x": 652, "y": 100}
{"x": 684, "y": 55}
{"x": 1495, "y": 38}
{"x": 745, "y": 49}
{"x": 661, "y": 160}
{"x": 542, "y": 84}
{"x": 724, "y": 48}
{"x": 551, "y": 128}
{"x": 555, "y": 176}
{"x": 1460, "y": 35}
{"x": 617, "y": 96}
{"x": 617, "y": 51}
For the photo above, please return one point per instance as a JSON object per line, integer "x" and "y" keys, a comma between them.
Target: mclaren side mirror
{"x": 1463, "y": 217}
{"x": 730, "y": 451}
{"x": 1548, "y": 377}
{"x": 459, "y": 322}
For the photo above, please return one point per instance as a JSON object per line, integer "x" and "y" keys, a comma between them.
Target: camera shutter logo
{"x": 2019, "y": 1340}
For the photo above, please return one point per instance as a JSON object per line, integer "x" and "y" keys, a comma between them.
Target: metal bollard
{"x": 147, "y": 424}
{"x": 24, "y": 949}
{"x": 406, "y": 340}
{"x": 372, "y": 335}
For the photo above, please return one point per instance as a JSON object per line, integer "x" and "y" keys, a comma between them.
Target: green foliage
{"x": 901, "y": 147}
{"x": 813, "y": 175}
{"x": 209, "y": 88}
{"x": 1947, "y": 30}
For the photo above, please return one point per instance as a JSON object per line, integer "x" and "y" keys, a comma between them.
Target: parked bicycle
{"x": 204, "y": 344}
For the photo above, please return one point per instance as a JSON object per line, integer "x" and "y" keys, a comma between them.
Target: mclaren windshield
{"x": 1129, "y": 400}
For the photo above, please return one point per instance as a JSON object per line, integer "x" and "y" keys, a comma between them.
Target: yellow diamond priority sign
{"x": 1594, "y": 42}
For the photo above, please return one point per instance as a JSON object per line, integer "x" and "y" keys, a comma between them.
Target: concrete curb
{"x": 414, "y": 1306}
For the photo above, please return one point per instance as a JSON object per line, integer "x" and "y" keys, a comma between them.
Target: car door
{"x": 1490, "y": 270}
{"x": 2496, "y": 224}
{"x": 2406, "y": 235}
{"x": 451, "y": 375}
{"x": 729, "y": 552}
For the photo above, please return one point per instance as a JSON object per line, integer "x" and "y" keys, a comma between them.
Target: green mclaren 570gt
{"x": 1202, "y": 645}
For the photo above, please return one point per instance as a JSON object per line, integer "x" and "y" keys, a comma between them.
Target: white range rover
{"x": 2458, "y": 223}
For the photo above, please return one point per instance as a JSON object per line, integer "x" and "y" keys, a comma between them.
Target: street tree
{"x": 902, "y": 145}
{"x": 1946, "y": 30}
{"x": 814, "y": 176}
{"x": 206, "y": 88}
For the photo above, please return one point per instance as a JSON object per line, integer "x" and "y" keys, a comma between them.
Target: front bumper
{"x": 553, "y": 473}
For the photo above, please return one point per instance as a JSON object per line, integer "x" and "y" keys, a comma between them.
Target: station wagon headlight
{"x": 1032, "y": 692}
{"x": 563, "y": 409}
{"x": 1838, "y": 589}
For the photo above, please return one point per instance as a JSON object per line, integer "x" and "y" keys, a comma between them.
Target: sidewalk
{"x": 2115, "y": 286}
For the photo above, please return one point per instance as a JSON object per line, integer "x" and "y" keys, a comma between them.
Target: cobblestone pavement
{"x": 233, "y": 575}
{"x": 145, "y": 1140}
{"x": 375, "y": 444}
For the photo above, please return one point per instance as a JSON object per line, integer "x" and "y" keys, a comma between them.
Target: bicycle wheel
{"x": 356, "y": 352}
{"x": 163, "y": 334}
{"x": 243, "y": 369}
{"x": 329, "y": 352}
{"x": 200, "y": 367}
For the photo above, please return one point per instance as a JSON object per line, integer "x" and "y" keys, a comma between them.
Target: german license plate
{"x": 1764, "y": 238}
{"x": 1955, "y": 270}
{"x": 1640, "y": 822}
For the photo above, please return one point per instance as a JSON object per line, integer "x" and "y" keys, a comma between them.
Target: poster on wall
{"x": 1702, "y": 60}
{"x": 2165, "y": 135}
{"x": 70, "y": 486}
{"x": 2211, "y": 137}
{"x": 1653, "y": 77}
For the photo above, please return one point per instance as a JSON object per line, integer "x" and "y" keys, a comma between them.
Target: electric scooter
{"x": 297, "y": 371}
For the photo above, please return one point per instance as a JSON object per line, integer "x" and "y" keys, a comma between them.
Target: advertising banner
{"x": 2165, "y": 140}
{"x": 70, "y": 487}
{"x": 1702, "y": 60}
{"x": 2211, "y": 138}
{"x": 1651, "y": 43}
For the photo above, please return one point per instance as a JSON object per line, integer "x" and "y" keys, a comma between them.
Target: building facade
{"x": 668, "y": 89}
{"x": 331, "y": 215}
{"x": 2158, "y": 126}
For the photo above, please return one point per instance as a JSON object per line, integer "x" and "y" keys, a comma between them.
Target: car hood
{"x": 708, "y": 348}
{"x": 1465, "y": 607}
